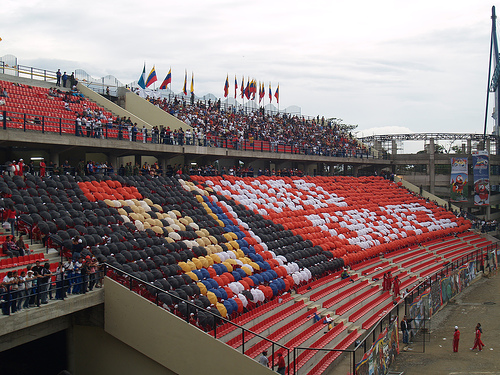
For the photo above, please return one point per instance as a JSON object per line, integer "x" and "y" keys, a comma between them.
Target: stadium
{"x": 172, "y": 234}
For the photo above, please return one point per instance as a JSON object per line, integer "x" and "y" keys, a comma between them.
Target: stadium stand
{"x": 191, "y": 237}
{"x": 240, "y": 246}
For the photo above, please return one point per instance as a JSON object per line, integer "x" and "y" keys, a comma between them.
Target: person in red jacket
{"x": 456, "y": 339}
{"x": 397, "y": 284}
{"x": 42, "y": 168}
{"x": 20, "y": 168}
{"x": 281, "y": 364}
{"x": 10, "y": 217}
{"x": 477, "y": 341}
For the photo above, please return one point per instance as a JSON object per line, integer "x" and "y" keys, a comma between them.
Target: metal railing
{"x": 28, "y": 72}
{"x": 68, "y": 126}
{"x": 38, "y": 291}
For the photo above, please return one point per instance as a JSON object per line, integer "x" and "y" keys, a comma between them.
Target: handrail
{"x": 179, "y": 299}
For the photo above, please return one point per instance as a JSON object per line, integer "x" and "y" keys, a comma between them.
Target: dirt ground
{"x": 480, "y": 303}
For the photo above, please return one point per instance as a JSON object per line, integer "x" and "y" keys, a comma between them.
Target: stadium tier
{"x": 240, "y": 246}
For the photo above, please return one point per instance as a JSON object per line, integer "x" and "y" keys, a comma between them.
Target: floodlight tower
{"x": 493, "y": 81}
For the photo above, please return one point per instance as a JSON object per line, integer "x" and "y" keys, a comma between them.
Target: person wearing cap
{"x": 20, "y": 168}
{"x": 76, "y": 247}
{"x": 456, "y": 339}
{"x": 30, "y": 292}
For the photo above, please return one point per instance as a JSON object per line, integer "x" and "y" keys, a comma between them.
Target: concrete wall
{"x": 168, "y": 340}
{"x": 108, "y": 355}
{"x": 149, "y": 112}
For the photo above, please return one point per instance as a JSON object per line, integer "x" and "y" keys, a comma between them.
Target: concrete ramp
{"x": 147, "y": 111}
{"x": 167, "y": 339}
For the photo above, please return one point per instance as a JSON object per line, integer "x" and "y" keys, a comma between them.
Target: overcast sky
{"x": 387, "y": 65}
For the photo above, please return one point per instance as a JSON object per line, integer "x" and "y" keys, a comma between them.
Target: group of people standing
{"x": 478, "y": 343}
{"x": 389, "y": 283}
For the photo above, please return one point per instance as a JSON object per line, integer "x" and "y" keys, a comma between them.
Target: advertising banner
{"x": 459, "y": 179}
{"x": 481, "y": 167}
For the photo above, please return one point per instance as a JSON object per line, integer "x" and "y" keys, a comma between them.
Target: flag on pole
{"x": 151, "y": 78}
{"x": 184, "y": 89}
{"x": 277, "y": 94}
{"x": 167, "y": 80}
{"x": 141, "y": 80}
{"x": 247, "y": 89}
{"x": 262, "y": 92}
{"x": 192, "y": 83}
{"x": 270, "y": 93}
{"x": 226, "y": 87}
{"x": 235, "y": 85}
{"x": 254, "y": 88}
{"x": 242, "y": 88}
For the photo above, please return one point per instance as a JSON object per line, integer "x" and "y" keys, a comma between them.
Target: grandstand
{"x": 212, "y": 267}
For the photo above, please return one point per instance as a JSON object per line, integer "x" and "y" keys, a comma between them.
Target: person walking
{"x": 456, "y": 339}
{"x": 281, "y": 364}
{"x": 477, "y": 340}
{"x": 263, "y": 359}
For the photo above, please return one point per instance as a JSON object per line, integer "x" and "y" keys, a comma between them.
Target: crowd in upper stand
{"x": 318, "y": 135}
{"x": 211, "y": 125}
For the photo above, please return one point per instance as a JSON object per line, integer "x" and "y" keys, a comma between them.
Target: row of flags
{"x": 146, "y": 82}
{"x": 250, "y": 90}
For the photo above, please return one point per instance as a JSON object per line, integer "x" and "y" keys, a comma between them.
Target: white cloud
{"x": 420, "y": 66}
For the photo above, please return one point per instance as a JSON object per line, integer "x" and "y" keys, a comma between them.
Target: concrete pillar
{"x": 355, "y": 169}
{"x": 488, "y": 145}
{"x": 469, "y": 146}
{"x": 54, "y": 158}
{"x": 394, "y": 147}
{"x": 432, "y": 167}
{"x": 113, "y": 159}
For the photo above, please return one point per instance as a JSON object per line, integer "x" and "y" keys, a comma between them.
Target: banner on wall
{"x": 481, "y": 168}
{"x": 459, "y": 179}
{"x": 382, "y": 353}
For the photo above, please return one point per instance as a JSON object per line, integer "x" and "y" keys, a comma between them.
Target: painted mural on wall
{"x": 382, "y": 353}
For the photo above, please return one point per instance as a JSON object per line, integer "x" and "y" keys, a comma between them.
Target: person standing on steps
{"x": 456, "y": 339}
{"x": 281, "y": 364}
{"x": 263, "y": 359}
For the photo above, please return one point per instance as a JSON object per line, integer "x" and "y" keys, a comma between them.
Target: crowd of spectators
{"x": 210, "y": 122}
{"x": 37, "y": 284}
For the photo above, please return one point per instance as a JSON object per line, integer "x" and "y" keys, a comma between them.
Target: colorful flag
{"x": 235, "y": 85}
{"x": 242, "y": 88}
{"x": 192, "y": 83}
{"x": 270, "y": 93}
{"x": 247, "y": 89}
{"x": 277, "y": 94}
{"x": 262, "y": 92}
{"x": 184, "y": 89}
{"x": 151, "y": 78}
{"x": 167, "y": 80}
{"x": 141, "y": 80}
{"x": 226, "y": 87}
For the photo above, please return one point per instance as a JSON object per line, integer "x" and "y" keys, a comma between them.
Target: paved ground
{"x": 479, "y": 303}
